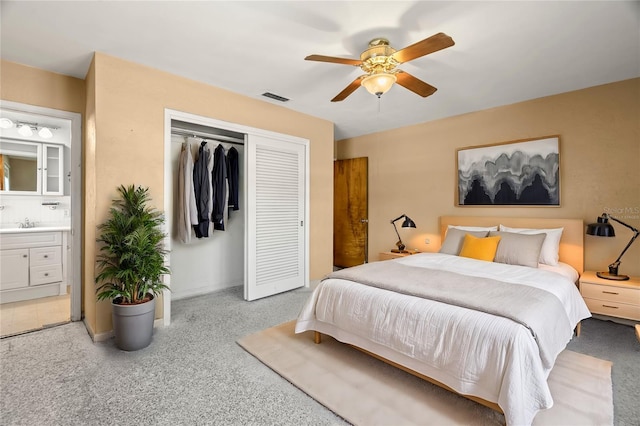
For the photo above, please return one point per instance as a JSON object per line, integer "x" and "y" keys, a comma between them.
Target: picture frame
{"x": 521, "y": 173}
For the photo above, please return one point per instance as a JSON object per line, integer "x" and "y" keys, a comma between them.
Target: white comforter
{"x": 474, "y": 353}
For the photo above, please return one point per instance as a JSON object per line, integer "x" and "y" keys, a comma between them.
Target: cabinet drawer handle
{"x": 609, "y": 292}
{"x": 24, "y": 255}
{"x": 607, "y": 306}
{"x": 46, "y": 256}
{"x": 46, "y": 274}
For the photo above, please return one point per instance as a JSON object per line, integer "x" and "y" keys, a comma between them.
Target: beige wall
{"x": 123, "y": 108}
{"x": 34, "y": 86}
{"x": 412, "y": 169}
{"x": 128, "y": 104}
{"x": 89, "y": 202}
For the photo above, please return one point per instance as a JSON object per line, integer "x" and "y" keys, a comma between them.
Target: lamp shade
{"x": 602, "y": 228}
{"x": 408, "y": 223}
{"x": 378, "y": 84}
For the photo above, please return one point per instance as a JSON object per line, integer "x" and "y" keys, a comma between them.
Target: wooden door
{"x": 1, "y": 173}
{"x": 350, "y": 212}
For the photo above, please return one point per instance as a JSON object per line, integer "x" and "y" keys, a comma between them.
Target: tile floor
{"x": 35, "y": 314}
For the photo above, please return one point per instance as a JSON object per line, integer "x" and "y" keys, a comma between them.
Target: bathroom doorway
{"x": 40, "y": 217}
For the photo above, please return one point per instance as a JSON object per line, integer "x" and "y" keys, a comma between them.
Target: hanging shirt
{"x": 233, "y": 176}
{"x": 202, "y": 187}
{"x": 219, "y": 179}
{"x": 187, "y": 210}
{"x": 210, "y": 149}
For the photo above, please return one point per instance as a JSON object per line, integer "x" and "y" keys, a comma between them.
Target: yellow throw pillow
{"x": 480, "y": 248}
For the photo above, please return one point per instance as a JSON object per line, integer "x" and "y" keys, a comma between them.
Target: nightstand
{"x": 619, "y": 299}
{"x": 387, "y": 255}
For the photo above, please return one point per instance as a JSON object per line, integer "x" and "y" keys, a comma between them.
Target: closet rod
{"x": 208, "y": 136}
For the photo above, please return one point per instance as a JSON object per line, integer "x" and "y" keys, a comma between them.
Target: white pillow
{"x": 473, "y": 228}
{"x": 562, "y": 269}
{"x": 550, "y": 246}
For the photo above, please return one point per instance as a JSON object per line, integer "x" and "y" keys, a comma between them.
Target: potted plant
{"x": 131, "y": 265}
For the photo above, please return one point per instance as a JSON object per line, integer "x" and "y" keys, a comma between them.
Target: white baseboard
{"x": 199, "y": 291}
{"x": 97, "y": 337}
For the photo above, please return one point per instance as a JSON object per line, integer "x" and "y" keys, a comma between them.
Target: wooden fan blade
{"x": 332, "y": 59}
{"x": 414, "y": 84}
{"x": 429, "y": 45}
{"x": 348, "y": 90}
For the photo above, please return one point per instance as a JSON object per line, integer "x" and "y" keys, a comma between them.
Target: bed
{"x": 489, "y": 331}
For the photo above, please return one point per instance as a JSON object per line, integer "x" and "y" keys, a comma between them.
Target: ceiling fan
{"x": 380, "y": 62}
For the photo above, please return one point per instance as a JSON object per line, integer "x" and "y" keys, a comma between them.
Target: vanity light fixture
{"x": 25, "y": 130}
{"x": 45, "y": 133}
{"x": 5, "y": 123}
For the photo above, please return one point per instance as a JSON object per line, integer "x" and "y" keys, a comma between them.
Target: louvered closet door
{"x": 275, "y": 251}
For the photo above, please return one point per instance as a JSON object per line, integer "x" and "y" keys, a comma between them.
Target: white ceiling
{"x": 505, "y": 52}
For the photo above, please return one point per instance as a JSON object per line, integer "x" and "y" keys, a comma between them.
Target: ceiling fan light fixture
{"x": 380, "y": 61}
{"x": 379, "y": 84}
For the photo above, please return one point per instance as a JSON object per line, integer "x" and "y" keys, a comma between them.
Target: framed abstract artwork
{"x": 517, "y": 173}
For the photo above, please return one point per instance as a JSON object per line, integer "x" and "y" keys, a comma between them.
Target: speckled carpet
{"x": 194, "y": 372}
{"x": 365, "y": 391}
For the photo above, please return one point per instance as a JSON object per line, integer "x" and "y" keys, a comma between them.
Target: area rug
{"x": 365, "y": 391}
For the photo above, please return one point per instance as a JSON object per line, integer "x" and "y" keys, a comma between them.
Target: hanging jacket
{"x": 202, "y": 186}
{"x": 219, "y": 179}
{"x": 187, "y": 209}
{"x": 210, "y": 149}
{"x": 233, "y": 176}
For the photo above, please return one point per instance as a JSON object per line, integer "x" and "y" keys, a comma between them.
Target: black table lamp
{"x": 604, "y": 229}
{"x": 408, "y": 223}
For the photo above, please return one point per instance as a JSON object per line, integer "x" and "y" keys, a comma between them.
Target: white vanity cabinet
{"x": 14, "y": 269}
{"x": 32, "y": 265}
{"x": 52, "y": 170}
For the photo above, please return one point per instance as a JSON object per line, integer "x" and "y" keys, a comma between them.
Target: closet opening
{"x": 263, "y": 243}
{"x": 210, "y": 256}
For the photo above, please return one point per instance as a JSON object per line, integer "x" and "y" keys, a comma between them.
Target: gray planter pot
{"x": 133, "y": 324}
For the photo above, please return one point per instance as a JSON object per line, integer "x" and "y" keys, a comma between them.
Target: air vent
{"x": 275, "y": 97}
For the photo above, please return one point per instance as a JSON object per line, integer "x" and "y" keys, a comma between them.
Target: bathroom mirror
{"x": 20, "y": 167}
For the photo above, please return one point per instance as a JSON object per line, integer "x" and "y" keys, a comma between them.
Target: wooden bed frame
{"x": 571, "y": 252}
